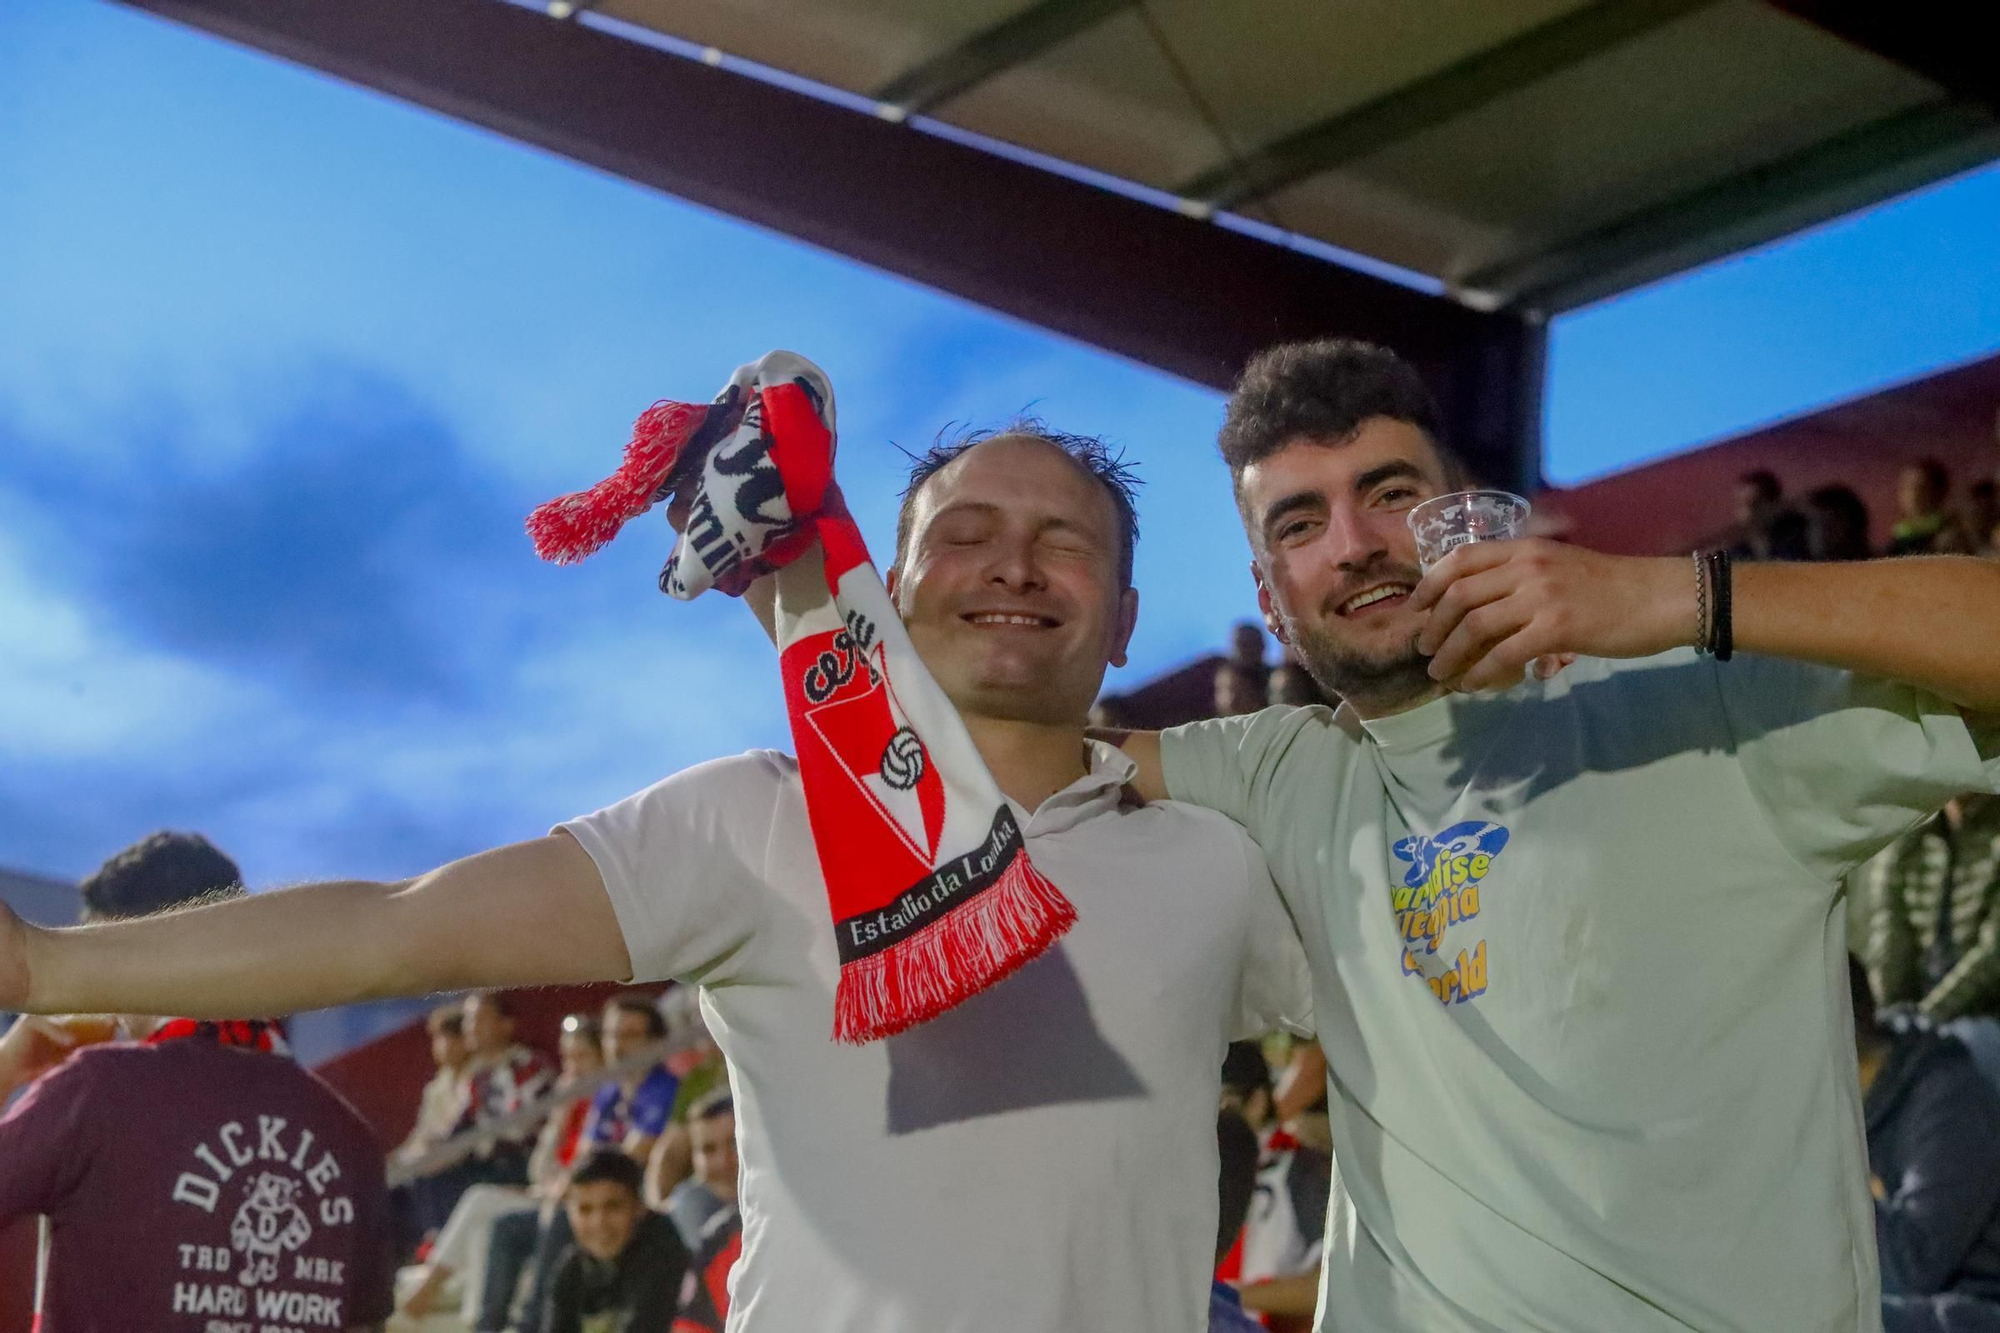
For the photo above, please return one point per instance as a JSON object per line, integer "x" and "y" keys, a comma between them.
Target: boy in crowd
{"x": 622, "y": 1272}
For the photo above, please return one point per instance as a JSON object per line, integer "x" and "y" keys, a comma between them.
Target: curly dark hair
{"x": 160, "y": 871}
{"x": 1323, "y": 390}
{"x": 1092, "y": 454}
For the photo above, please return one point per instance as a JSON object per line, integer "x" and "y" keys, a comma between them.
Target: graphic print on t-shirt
{"x": 1440, "y": 889}
{"x": 270, "y": 1190}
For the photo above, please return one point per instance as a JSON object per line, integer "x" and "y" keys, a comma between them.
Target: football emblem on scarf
{"x": 862, "y": 717}
{"x": 903, "y": 760}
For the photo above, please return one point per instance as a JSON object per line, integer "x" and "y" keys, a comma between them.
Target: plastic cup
{"x": 1447, "y": 522}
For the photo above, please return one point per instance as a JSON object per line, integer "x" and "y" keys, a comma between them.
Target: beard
{"x": 1375, "y": 682}
{"x": 1384, "y": 680}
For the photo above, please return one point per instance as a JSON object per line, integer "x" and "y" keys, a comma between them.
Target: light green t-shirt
{"x": 1580, "y": 973}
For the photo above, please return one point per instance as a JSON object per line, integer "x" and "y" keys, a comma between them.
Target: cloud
{"x": 330, "y": 647}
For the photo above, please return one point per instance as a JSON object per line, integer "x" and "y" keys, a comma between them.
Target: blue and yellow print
{"x": 1440, "y": 888}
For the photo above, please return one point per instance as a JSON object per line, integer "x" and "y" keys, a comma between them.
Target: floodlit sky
{"x": 284, "y": 363}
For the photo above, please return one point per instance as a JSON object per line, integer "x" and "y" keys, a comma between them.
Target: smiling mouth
{"x": 1011, "y": 619}
{"x": 1378, "y": 595}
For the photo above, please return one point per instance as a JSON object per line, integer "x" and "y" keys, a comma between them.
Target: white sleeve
{"x": 1276, "y": 990}
{"x": 684, "y": 864}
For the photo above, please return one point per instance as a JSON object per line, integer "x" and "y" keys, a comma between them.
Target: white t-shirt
{"x": 1041, "y": 1159}
{"x": 1582, "y": 982}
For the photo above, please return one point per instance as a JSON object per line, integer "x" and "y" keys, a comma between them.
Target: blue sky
{"x": 283, "y": 364}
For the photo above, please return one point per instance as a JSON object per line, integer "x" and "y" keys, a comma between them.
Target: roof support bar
{"x": 1862, "y": 167}
{"x": 1012, "y": 41}
{"x": 1943, "y": 40}
{"x": 1188, "y": 297}
{"x": 1453, "y": 91}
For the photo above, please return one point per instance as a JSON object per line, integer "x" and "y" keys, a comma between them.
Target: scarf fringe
{"x": 570, "y": 527}
{"x": 954, "y": 958}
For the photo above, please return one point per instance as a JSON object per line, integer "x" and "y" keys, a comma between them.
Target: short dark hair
{"x": 1323, "y": 390}
{"x": 1867, "y": 1024}
{"x": 446, "y": 1018}
{"x": 1092, "y": 454}
{"x": 712, "y": 1106}
{"x": 1245, "y": 1070}
{"x": 502, "y": 1004}
{"x": 611, "y": 1164}
{"x": 1765, "y": 481}
{"x": 1236, "y": 1147}
{"x": 1937, "y": 477}
{"x": 638, "y": 1002}
{"x": 159, "y": 872}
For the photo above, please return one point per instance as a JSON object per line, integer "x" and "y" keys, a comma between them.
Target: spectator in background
{"x": 631, "y": 1112}
{"x": 1239, "y": 689}
{"x": 194, "y": 1166}
{"x": 443, "y": 1100}
{"x": 465, "y": 1247}
{"x": 623, "y": 1272}
{"x": 1293, "y": 686}
{"x": 1766, "y": 527}
{"x": 505, "y": 1077}
{"x": 712, "y": 1187}
{"x": 1246, "y": 645}
{"x": 146, "y": 877}
{"x": 502, "y": 1077}
{"x": 1236, "y": 1145}
{"x": 1837, "y": 525}
{"x": 1981, "y": 520}
{"x": 1934, "y": 913}
{"x": 705, "y": 1289}
{"x": 1923, "y": 525}
{"x": 1934, "y": 1171}
{"x": 628, "y": 1115}
{"x": 1276, "y": 1264}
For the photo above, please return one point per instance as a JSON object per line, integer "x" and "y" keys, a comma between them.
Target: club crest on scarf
{"x": 932, "y": 893}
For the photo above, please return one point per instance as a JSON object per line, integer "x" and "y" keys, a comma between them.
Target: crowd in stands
{"x": 625, "y": 1215}
{"x": 1833, "y": 522}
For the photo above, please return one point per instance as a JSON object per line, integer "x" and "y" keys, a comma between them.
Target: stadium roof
{"x": 1549, "y": 151}
{"x": 1184, "y": 181}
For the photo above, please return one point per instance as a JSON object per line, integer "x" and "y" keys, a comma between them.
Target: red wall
{"x": 1673, "y": 506}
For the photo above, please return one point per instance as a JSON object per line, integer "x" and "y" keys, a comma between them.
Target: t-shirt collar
{"x": 1093, "y": 794}
{"x": 1425, "y": 724}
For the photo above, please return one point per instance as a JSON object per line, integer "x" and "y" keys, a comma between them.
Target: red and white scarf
{"x": 932, "y": 894}
{"x": 254, "y": 1034}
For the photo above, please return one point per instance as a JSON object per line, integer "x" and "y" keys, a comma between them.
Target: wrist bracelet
{"x": 1725, "y": 627}
{"x": 1700, "y": 602}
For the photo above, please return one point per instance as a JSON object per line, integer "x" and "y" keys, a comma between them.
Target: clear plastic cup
{"x": 1447, "y": 522}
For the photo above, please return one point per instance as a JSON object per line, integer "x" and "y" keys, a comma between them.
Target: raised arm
{"x": 534, "y": 913}
{"x": 1932, "y": 622}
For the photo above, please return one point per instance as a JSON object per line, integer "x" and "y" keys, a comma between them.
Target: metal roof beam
{"x": 1185, "y": 296}
{"x": 1830, "y": 179}
{"x": 1945, "y": 41}
{"x": 1010, "y": 42}
{"x": 1451, "y": 92}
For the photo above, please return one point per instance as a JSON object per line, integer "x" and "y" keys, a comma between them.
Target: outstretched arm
{"x": 1932, "y": 622}
{"x": 534, "y": 913}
